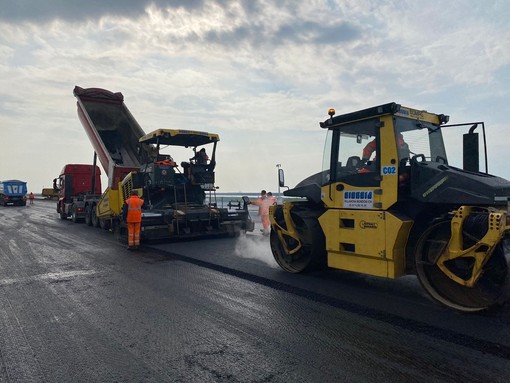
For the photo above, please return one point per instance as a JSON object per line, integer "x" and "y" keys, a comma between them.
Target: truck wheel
{"x": 104, "y": 224}
{"x": 119, "y": 230}
{"x": 62, "y": 213}
{"x": 93, "y": 216}
{"x": 88, "y": 218}
{"x": 490, "y": 289}
{"x": 74, "y": 214}
{"x": 311, "y": 254}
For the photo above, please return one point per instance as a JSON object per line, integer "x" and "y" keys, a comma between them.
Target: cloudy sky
{"x": 261, "y": 74}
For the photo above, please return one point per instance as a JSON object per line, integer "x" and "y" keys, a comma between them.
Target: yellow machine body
{"x": 388, "y": 203}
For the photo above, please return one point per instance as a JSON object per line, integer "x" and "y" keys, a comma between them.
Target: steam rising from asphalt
{"x": 255, "y": 246}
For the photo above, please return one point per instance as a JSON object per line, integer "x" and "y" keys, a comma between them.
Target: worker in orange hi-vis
{"x": 264, "y": 203}
{"x": 272, "y": 199}
{"x": 371, "y": 147}
{"x": 31, "y": 198}
{"x": 134, "y": 219}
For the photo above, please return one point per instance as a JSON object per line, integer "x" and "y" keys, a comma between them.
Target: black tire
{"x": 104, "y": 224}
{"x": 88, "y": 217}
{"x": 120, "y": 231}
{"x": 74, "y": 214}
{"x": 115, "y": 228}
{"x": 312, "y": 254}
{"x": 62, "y": 213}
{"x": 490, "y": 290}
{"x": 93, "y": 216}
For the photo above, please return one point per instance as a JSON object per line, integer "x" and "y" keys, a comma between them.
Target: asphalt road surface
{"x": 76, "y": 306}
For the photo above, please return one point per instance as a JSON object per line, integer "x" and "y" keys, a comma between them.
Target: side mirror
{"x": 281, "y": 178}
{"x": 470, "y": 151}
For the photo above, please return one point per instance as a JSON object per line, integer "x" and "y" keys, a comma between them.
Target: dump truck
{"x": 79, "y": 188}
{"x": 13, "y": 192}
{"x": 49, "y": 193}
{"x": 180, "y": 198}
{"x": 388, "y": 203}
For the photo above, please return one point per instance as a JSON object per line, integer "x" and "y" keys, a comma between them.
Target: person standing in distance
{"x": 263, "y": 203}
{"x": 134, "y": 219}
{"x": 272, "y": 198}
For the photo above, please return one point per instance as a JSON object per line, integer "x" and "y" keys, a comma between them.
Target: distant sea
{"x": 222, "y": 199}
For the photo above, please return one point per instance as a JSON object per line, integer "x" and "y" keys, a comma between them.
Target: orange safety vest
{"x": 371, "y": 147}
{"x": 264, "y": 205}
{"x": 134, "y": 213}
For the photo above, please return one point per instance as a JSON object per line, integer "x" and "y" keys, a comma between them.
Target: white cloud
{"x": 261, "y": 74}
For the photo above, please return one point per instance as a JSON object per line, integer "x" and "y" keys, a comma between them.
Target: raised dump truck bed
{"x": 112, "y": 130}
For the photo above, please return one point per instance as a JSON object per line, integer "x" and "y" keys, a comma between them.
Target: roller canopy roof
{"x": 179, "y": 137}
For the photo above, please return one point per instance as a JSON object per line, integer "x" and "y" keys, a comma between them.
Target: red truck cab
{"x": 78, "y": 185}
